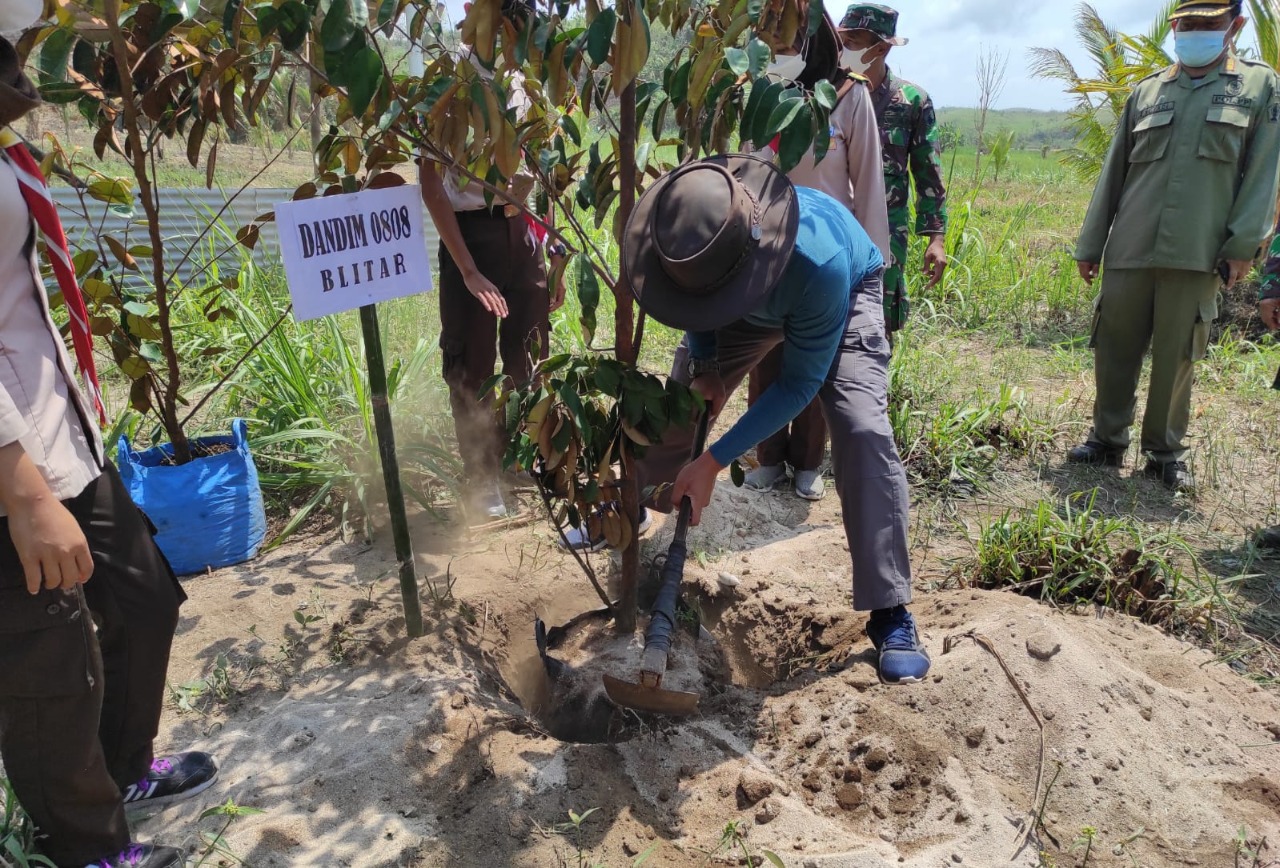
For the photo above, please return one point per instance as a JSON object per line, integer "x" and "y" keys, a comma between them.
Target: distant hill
{"x": 1033, "y": 128}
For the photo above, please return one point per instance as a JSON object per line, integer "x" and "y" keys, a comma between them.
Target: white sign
{"x": 343, "y": 252}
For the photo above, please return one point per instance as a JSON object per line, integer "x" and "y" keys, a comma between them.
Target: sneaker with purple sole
{"x": 142, "y": 856}
{"x": 171, "y": 779}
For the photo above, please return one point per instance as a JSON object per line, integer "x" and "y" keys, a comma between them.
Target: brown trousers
{"x": 82, "y": 677}
{"x": 801, "y": 443}
{"x": 507, "y": 254}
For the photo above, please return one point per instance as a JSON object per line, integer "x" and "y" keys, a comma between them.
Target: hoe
{"x": 649, "y": 695}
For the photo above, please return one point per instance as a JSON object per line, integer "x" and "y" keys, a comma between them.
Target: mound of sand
{"x": 397, "y": 753}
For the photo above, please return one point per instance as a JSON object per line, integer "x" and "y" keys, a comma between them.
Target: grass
{"x": 17, "y": 835}
{"x": 1072, "y": 554}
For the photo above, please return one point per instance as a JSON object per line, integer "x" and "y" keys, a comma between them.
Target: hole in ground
{"x": 566, "y": 695}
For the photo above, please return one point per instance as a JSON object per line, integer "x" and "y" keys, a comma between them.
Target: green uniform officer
{"x": 1187, "y": 193}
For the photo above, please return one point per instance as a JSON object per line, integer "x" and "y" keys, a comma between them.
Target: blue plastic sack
{"x": 208, "y": 512}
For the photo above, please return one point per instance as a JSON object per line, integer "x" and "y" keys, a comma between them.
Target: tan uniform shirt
{"x": 41, "y": 405}
{"x": 1192, "y": 175}
{"x": 852, "y": 172}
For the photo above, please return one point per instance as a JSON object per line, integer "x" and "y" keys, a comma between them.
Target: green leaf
{"x": 229, "y": 16}
{"x": 111, "y": 190}
{"x": 600, "y": 36}
{"x": 570, "y": 128}
{"x": 645, "y": 91}
{"x": 490, "y": 386}
{"x": 821, "y": 140}
{"x": 165, "y": 24}
{"x": 816, "y": 10}
{"x": 738, "y": 60}
{"x": 783, "y": 116}
{"x": 773, "y": 91}
{"x": 573, "y": 403}
{"x": 680, "y": 83}
{"x": 797, "y": 138}
{"x": 55, "y": 54}
{"x": 644, "y": 857}
{"x": 340, "y": 25}
{"x": 137, "y": 308}
{"x": 294, "y": 22}
{"x": 659, "y": 122}
{"x": 773, "y": 858}
{"x": 386, "y": 12}
{"x": 364, "y": 78}
{"x": 434, "y": 91}
{"x": 825, "y": 94}
{"x": 554, "y": 363}
{"x": 608, "y": 378}
{"x": 759, "y": 55}
{"x": 588, "y": 295}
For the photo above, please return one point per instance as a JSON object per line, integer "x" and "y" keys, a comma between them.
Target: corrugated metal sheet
{"x": 185, "y": 214}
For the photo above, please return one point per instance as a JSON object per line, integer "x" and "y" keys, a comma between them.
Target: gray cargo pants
{"x": 869, "y": 476}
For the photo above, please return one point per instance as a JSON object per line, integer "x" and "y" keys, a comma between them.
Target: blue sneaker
{"x": 903, "y": 659}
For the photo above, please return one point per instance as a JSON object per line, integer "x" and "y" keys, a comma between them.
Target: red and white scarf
{"x": 35, "y": 191}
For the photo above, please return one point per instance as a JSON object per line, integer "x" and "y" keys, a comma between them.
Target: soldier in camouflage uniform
{"x": 1269, "y": 311}
{"x": 908, "y": 137}
{"x": 1269, "y": 292}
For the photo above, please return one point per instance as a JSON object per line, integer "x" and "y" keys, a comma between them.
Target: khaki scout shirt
{"x": 851, "y": 172}
{"x": 41, "y": 405}
{"x": 1192, "y": 174}
{"x": 464, "y": 196}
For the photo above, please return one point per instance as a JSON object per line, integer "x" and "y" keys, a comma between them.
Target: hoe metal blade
{"x": 654, "y": 700}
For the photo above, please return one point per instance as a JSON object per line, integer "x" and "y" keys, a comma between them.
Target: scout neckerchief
{"x": 35, "y": 191}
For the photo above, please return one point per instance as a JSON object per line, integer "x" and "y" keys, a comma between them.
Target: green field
{"x": 1034, "y": 129}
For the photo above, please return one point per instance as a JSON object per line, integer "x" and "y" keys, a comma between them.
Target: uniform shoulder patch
{"x": 913, "y": 92}
{"x": 1249, "y": 61}
{"x": 859, "y": 77}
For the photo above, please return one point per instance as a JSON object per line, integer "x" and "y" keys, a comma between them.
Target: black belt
{"x": 497, "y": 212}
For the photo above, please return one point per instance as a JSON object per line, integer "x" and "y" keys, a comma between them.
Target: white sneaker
{"x": 765, "y": 477}
{"x": 581, "y": 538}
{"x": 810, "y": 485}
{"x": 487, "y": 502}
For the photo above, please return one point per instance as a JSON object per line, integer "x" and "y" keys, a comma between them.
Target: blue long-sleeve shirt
{"x": 810, "y": 304}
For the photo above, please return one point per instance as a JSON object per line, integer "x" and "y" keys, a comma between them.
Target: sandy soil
{"x": 365, "y": 749}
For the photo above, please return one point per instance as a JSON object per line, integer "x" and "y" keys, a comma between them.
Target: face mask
{"x": 17, "y": 15}
{"x": 787, "y": 67}
{"x": 855, "y": 61}
{"x": 1199, "y": 47}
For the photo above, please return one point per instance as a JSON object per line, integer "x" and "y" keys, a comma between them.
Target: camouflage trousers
{"x": 897, "y": 306}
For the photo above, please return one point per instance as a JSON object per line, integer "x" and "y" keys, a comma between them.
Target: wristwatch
{"x": 556, "y": 248}
{"x": 698, "y": 367}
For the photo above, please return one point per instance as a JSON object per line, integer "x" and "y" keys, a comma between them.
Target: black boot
{"x": 1175, "y": 475}
{"x": 1096, "y": 454}
{"x": 1268, "y": 537}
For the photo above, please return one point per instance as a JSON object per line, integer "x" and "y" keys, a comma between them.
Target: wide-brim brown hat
{"x": 709, "y": 241}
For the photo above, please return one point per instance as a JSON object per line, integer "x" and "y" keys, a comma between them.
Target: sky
{"x": 946, "y": 38}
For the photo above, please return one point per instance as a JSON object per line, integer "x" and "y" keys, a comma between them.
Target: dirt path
{"x": 366, "y": 750}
